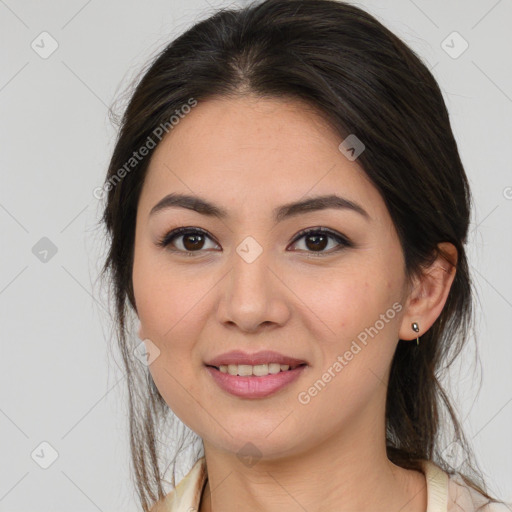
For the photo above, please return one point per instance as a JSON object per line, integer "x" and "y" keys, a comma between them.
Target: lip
{"x": 261, "y": 357}
{"x": 254, "y": 387}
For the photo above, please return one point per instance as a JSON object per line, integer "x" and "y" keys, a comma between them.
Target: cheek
{"x": 353, "y": 357}
{"x": 164, "y": 299}
{"x": 171, "y": 308}
{"x": 354, "y": 318}
{"x": 168, "y": 307}
{"x": 342, "y": 304}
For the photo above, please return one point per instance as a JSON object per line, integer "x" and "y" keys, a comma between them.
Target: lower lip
{"x": 254, "y": 387}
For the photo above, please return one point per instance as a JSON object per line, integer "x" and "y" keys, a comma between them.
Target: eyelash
{"x": 344, "y": 242}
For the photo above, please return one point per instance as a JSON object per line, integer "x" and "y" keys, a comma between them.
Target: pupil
{"x": 316, "y": 237}
{"x": 194, "y": 244}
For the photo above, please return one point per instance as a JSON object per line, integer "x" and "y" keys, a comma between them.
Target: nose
{"x": 253, "y": 296}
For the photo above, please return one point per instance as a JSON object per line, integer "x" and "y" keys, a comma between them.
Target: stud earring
{"x": 415, "y": 328}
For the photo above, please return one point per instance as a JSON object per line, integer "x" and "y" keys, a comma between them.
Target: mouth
{"x": 256, "y": 364}
{"x": 258, "y": 370}
{"x": 255, "y": 381}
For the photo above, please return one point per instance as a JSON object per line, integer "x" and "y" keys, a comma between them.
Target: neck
{"x": 344, "y": 474}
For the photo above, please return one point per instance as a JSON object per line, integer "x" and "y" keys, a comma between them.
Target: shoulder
{"x": 463, "y": 497}
{"x": 450, "y": 493}
{"x": 187, "y": 494}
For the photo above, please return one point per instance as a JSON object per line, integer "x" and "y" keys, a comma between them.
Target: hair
{"x": 363, "y": 80}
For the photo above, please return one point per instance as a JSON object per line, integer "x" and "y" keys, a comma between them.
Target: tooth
{"x": 274, "y": 368}
{"x": 244, "y": 370}
{"x": 260, "y": 370}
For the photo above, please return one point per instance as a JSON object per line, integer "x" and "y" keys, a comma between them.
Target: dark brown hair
{"x": 363, "y": 80}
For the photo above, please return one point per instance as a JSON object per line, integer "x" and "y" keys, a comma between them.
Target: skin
{"x": 249, "y": 156}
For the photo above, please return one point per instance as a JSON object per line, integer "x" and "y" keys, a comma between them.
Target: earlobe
{"x": 430, "y": 293}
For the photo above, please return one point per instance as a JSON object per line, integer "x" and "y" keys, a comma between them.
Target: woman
{"x": 287, "y": 213}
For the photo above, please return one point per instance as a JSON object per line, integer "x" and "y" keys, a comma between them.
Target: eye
{"x": 193, "y": 240}
{"x": 318, "y": 238}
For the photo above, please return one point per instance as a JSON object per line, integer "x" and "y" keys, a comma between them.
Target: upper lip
{"x": 262, "y": 357}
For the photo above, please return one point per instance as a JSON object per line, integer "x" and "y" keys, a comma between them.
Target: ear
{"x": 429, "y": 293}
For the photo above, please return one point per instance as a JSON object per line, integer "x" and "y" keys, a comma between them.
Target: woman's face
{"x": 251, "y": 284}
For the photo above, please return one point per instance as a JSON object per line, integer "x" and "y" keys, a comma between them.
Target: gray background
{"x": 60, "y": 384}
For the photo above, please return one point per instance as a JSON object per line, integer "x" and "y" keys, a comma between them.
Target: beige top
{"x": 445, "y": 493}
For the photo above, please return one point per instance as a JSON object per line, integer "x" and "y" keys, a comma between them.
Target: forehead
{"x": 227, "y": 128}
{"x": 256, "y": 152}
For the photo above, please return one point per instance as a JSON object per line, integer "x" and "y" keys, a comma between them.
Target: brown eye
{"x": 187, "y": 240}
{"x": 317, "y": 239}
{"x": 193, "y": 240}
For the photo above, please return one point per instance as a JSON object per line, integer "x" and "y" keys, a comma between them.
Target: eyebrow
{"x": 280, "y": 213}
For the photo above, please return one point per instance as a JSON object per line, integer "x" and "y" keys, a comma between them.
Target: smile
{"x": 259, "y": 370}
{"x": 266, "y": 380}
